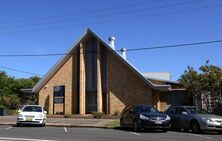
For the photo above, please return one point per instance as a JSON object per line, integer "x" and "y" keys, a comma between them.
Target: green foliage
{"x": 113, "y": 124}
{"x": 97, "y": 114}
{"x": 67, "y": 116}
{"x": 12, "y": 112}
{"x": 205, "y": 84}
{"x": 10, "y": 101}
{"x": 116, "y": 113}
{"x": 11, "y": 96}
{"x": 2, "y": 107}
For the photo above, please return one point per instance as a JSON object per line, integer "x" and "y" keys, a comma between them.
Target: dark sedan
{"x": 193, "y": 118}
{"x": 144, "y": 117}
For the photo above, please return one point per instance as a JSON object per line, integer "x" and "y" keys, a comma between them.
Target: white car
{"x": 31, "y": 114}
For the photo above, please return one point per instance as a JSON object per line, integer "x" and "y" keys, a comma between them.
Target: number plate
{"x": 158, "y": 122}
{"x": 28, "y": 119}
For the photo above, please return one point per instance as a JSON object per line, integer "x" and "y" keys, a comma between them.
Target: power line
{"x": 104, "y": 15}
{"x": 132, "y": 49}
{"x": 116, "y": 20}
{"x": 82, "y": 12}
{"x": 20, "y": 71}
{"x": 135, "y": 49}
{"x": 177, "y": 45}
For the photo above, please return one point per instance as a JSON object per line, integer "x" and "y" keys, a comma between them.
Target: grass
{"x": 113, "y": 124}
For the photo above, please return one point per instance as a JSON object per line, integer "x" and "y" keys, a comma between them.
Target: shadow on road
{"x": 200, "y": 133}
{"x": 141, "y": 131}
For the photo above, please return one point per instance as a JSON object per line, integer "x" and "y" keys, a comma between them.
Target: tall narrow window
{"x": 59, "y": 99}
{"x": 59, "y": 92}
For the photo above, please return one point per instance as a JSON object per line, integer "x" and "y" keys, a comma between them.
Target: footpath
{"x": 65, "y": 122}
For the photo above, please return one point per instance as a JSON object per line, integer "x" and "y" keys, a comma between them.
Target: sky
{"x": 52, "y": 26}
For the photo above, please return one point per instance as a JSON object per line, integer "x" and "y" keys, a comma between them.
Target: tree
{"x": 11, "y": 96}
{"x": 23, "y": 84}
{"x": 205, "y": 84}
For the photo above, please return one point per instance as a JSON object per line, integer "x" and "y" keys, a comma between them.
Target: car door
{"x": 182, "y": 119}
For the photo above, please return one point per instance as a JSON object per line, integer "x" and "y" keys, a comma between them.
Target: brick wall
{"x": 124, "y": 86}
{"x": 62, "y": 77}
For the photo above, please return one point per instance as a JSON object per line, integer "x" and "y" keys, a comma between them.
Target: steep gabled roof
{"x": 64, "y": 58}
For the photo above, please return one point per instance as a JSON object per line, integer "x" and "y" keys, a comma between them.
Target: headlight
{"x": 144, "y": 117}
{"x": 20, "y": 116}
{"x": 207, "y": 120}
{"x": 167, "y": 118}
{"x": 40, "y": 116}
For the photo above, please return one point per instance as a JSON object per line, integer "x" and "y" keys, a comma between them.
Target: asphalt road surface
{"x": 8, "y": 133}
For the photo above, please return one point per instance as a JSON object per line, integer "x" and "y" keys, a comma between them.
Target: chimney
{"x": 112, "y": 42}
{"x": 123, "y": 53}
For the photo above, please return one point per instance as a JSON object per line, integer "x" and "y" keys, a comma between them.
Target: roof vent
{"x": 123, "y": 53}
{"x": 112, "y": 42}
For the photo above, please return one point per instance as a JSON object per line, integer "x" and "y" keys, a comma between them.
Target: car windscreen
{"x": 32, "y": 109}
{"x": 194, "y": 110}
{"x": 146, "y": 109}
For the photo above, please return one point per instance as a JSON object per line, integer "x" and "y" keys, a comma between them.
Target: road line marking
{"x": 206, "y": 137}
{"x": 135, "y": 133}
{"x": 65, "y": 129}
{"x": 23, "y": 139}
{"x": 195, "y": 135}
{"x": 8, "y": 128}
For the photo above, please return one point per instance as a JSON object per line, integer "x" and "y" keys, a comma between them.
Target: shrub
{"x": 2, "y": 107}
{"x": 12, "y": 112}
{"x": 97, "y": 114}
{"x": 67, "y": 116}
{"x": 116, "y": 113}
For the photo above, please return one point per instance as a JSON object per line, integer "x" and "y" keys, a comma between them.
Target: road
{"x": 9, "y": 133}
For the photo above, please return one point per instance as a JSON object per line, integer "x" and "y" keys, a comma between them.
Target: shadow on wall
{"x": 46, "y": 105}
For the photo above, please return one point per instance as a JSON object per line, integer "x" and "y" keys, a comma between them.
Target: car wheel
{"x": 164, "y": 130}
{"x": 18, "y": 124}
{"x": 195, "y": 127}
{"x": 135, "y": 126}
{"x": 122, "y": 126}
{"x": 43, "y": 124}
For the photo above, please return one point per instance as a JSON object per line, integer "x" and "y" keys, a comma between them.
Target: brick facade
{"x": 125, "y": 87}
{"x": 62, "y": 77}
{"x": 117, "y": 83}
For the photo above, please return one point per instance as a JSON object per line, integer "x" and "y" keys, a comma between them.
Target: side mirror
{"x": 45, "y": 112}
{"x": 184, "y": 113}
{"x": 19, "y": 110}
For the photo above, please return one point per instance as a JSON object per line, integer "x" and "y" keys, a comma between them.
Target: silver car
{"x": 193, "y": 118}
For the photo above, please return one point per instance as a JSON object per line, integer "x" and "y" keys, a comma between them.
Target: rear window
{"x": 32, "y": 109}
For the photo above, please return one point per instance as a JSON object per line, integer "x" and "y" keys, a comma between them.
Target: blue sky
{"x": 52, "y": 26}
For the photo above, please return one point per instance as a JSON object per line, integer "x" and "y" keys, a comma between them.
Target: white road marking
{"x": 135, "y": 133}
{"x": 22, "y": 139}
{"x": 65, "y": 130}
{"x": 8, "y": 128}
{"x": 206, "y": 137}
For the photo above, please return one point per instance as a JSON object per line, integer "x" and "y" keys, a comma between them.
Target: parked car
{"x": 193, "y": 118}
{"x": 31, "y": 114}
{"x": 144, "y": 117}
